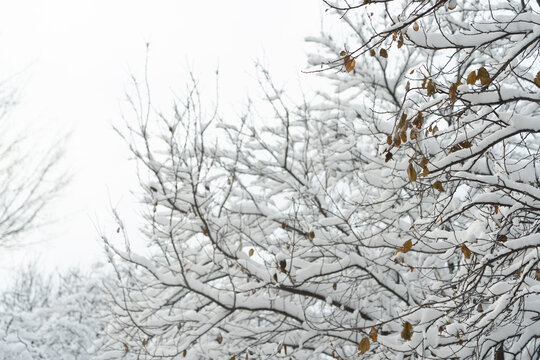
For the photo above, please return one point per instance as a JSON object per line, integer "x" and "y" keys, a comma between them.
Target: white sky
{"x": 74, "y": 59}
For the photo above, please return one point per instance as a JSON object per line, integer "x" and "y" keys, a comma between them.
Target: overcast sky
{"x": 71, "y": 63}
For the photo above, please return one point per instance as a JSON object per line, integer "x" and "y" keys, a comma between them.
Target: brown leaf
{"x": 283, "y": 265}
{"x": 455, "y": 148}
{"x": 537, "y": 79}
{"x": 388, "y": 157}
{"x": 251, "y": 252}
{"x": 363, "y": 347}
{"x": 311, "y": 235}
{"x": 438, "y": 185}
{"x": 407, "y": 245}
{"x": 389, "y": 139}
{"x": 483, "y": 76}
{"x": 452, "y": 93}
{"x": 406, "y": 333}
{"x": 471, "y": 79}
{"x": 465, "y": 144}
{"x": 349, "y": 63}
{"x": 334, "y": 286}
{"x": 397, "y": 140}
{"x": 342, "y": 53}
{"x": 466, "y": 252}
{"x": 431, "y": 88}
{"x": 403, "y": 136}
{"x": 373, "y": 334}
{"x": 416, "y": 27}
{"x": 400, "y": 41}
{"x": 537, "y": 274}
{"x": 383, "y": 53}
{"x": 126, "y": 347}
{"x": 419, "y": 120}
{"x": 411, "y": 173}
{"x": 371, "y": 52}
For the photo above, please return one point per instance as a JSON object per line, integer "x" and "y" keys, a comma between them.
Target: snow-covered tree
{"x": 29, "y": 175}
{"x": 52, "y": 317}
{"x": 396, "y": 215}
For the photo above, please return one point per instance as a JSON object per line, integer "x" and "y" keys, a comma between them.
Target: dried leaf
{"x": 416, "y": 27}
{"x": 537, "y": 79}
{"x": 537, "y": 274}
{"x": 283, "y": 265}
{"x": 502, "y": 238}
{"x": 452, "y": 93}
{"x": 406, "y": 333}
{"x": 397, "y": 140}
{"x": 411, "y": 173}
{"x": 438, "y": 185}
{"x": 466, "y": 252}
{"x": 389, "y": 139}
{"x": 400, "y": 41}
{"x": 455, "y": 148}
{"x": 342, "y": 53}
{"x": 407, "y": 245}
{"x": 349, "y": 63}
{"x": 403, "y": 136}
{"x": 388, "y": 157}
{"x": 471, "y": 79}
{"x": 126, "y": 347}
{"x": 483, "y": 76}
{"x": 465, "y": 144}
{"x": 334, "y": 286}
{"x": 373, "y": 334}
{"x": 431, "y": 88}
{"x": 363, "y": 347}
{"x": 251, "y": 252}
{"x": 402, "y": 120}
{"x": 371, "y": 52}
{"x": 419, "y": 120}
{"x": 383, "y": 53}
